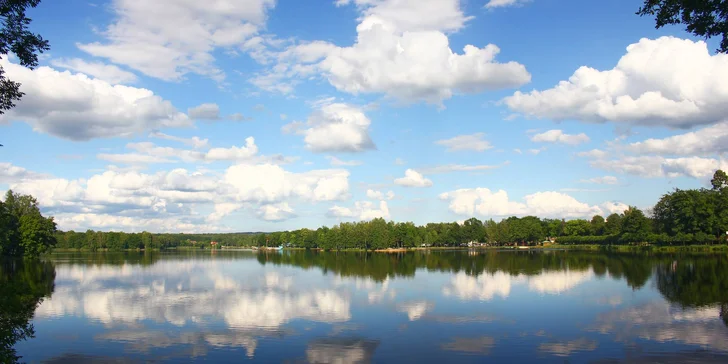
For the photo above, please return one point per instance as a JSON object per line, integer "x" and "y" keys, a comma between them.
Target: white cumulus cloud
{"x": 413, "y": 178}
{"x": 707, "y": 141}
{"x": 401, "y": 50}
{"x": 484, "y": 202}
{"x": 362, "y": 210}
{"x": 76, "y": 107}
{"x": 379, "y": 195}
{"x": 334, "y": 128}
{"x": 177, "y": 200}
{"x": 658, "y": 166}
{"x": 637, "y": 90}
{"x": 168, "y": 39}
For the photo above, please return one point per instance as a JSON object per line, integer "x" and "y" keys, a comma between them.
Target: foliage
{"x": 577, "y": 227}
{"x": 23, "y": 230}
{"x": 694, "y": 283}
{"x": 16, "y": 38}
{"x": 703, "y": 18}
{"x": 23, "y": 285}
{"x": 635, "y": 225}
{"x": 597, "y": 225}
{"x": 720, "y": 180}
{"x": 613, "y": 224}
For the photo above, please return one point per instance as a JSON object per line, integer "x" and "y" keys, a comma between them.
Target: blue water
{"x": 455, "y": 307}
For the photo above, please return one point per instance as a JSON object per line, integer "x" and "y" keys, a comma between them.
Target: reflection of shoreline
{"x": 24, "y": 284}
{"x": 210, "y": 307}
{"x": 635, "y": 268}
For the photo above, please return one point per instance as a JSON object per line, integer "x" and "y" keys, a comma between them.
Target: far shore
{"x": 621, "y": 248}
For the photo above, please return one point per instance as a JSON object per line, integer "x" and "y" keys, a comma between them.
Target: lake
{"x": 316, "y": 307}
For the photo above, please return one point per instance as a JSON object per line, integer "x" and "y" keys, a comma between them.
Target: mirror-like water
{"x": 297, "y": 306}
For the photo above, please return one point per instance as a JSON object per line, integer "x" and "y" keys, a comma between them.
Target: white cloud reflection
{"x": 415, "y": 310}
{"x": 341, "y": 351}
{"x": 662, "y": 322}
{"x": 182, "y": 292}
{"x": 487, "y": 286}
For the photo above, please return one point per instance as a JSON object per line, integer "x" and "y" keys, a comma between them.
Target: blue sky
{"x": 268, "y": 115}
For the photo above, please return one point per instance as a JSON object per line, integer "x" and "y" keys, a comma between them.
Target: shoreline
{"x": 591, "y": 247}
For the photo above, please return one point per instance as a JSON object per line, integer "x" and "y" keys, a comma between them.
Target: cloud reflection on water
{"x": 341, "y": 351}
{"x": 190, "y": 292}
{"x": 487, "y": 286}
{"x": 415, "y": 310}
{"x": 663, "y": 322}
{"x": 566, "y": 348}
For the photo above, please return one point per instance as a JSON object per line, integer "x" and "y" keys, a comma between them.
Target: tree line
{"x": 681, "y": 217}
{"x": 116, "y": 241}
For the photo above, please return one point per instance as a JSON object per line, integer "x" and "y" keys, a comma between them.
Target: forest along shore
{"x": 695, "y": 219}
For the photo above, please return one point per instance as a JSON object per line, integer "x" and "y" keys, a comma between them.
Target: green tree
{"x": 147, "y": 240}
{"x": 720, "y": 180}
{"x": 134, "y": 241}
{"x": 491, "y": 231}
{"x": 380, "y": 234}
{"x": 527, "y": 229}
{"x": 16, "y": 38}
{"x": 473, "y": 230}
{"x": 24, "y": 231}
{"x": 553, "y": 227}
{"x": 613, "y": 226}
{"x": 578, "y": 227}
{"x": 36, "y": 234}
{"x": 635, "y": 225}
{"x": 597, "y": 225}
{"x": 9, "y": 239}
{"x": 688, "y": 212}
{"x": 703, "y": 18}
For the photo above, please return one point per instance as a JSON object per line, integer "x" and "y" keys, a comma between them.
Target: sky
{"x": 265, "y": 115}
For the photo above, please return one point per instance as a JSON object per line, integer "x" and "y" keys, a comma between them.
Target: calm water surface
{"x": 295, "y": 306}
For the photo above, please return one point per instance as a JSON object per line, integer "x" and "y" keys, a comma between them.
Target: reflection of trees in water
{"x": 695, "y": 282}
{"x": 146, "y": 258}
{"x": 23, "y": 285}
{"x": 689, "y": 280}
{"x": 635, "y": 269}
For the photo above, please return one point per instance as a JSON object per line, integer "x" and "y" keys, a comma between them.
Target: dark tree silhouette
{"x": 16, "y": 38}
{"x": 23, "y": 286}
{"x": 704, "y": 18}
